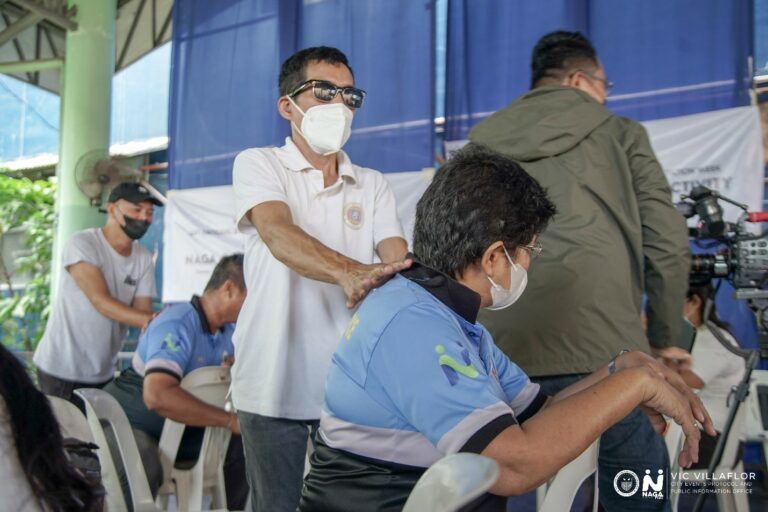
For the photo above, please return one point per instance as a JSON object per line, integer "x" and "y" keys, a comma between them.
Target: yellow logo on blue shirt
{"x": 452, "y": 367}
{"x": 351, "y": 326}
{"x": 169, "y": 343}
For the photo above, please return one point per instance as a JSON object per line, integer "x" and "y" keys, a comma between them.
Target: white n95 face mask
{"x": 326, "y": 128}
{"x": 518, "y": 280}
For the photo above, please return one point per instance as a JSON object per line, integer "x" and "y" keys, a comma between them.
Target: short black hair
{"x": 293, "y": 72}
{"x": 558, "y": 53}
{"x": 229, "y": 268}
{"x": 475, "y": 199}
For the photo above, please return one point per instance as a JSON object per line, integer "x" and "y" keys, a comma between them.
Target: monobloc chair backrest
{"x": 211, "y": 385}
{"x": 452, "y": 482}
{"x": 208, "y": 382}
{"x": 72, "y": 422}
{"x": 564, "y": 486}
{"x": 101, "y": 408}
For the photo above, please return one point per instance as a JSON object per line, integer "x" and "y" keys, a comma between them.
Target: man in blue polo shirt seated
{"x": 183, "y": 338}
{"x": 415, "y": 377}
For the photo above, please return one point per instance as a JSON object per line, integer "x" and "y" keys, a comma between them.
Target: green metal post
{"x": 85, "y": 115}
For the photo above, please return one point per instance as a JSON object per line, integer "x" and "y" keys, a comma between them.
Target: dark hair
{"x": 228, "y": 268}
{"x": 477, "y": 198}
{"x": 704, "y": 292}
{"x": 294, "y": 70}
{"x": 54, "y": 481}
{"x": 559, "y": 53}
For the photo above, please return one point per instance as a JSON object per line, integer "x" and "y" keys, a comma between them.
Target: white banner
{"x": 200, "y": 229}
{"x": 721, "y": 150}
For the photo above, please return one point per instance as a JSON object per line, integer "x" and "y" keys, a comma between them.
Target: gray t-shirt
{"x": 80, "y": 344}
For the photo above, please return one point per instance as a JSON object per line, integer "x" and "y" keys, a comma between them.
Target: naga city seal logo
{"x": 626, "y": 483}
{"x": 353, "y": 215}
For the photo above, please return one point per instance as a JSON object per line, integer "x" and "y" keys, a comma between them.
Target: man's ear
{"x": 229, "y": 288}
{"x": 110, "y": 209}
{"x": 573, "y": 79}
{"x": 284, "y": 107}
{"x": 490, "y": 256}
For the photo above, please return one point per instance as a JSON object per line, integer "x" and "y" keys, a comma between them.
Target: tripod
{"x": 758, "y": 302}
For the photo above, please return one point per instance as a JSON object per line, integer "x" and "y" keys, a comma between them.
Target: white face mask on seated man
{"x": 518, "y": 280}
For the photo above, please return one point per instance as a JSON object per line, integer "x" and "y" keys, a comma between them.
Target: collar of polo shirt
{"x": 293, "y": 160}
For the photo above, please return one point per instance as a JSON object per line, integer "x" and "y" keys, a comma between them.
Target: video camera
{"x": 741, "y": 258}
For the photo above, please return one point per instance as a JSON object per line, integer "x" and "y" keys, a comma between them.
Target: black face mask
{"x": 135, "y": 228}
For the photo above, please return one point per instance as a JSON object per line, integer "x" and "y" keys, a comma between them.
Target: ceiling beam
{"x": 52, "y": 16}
{"x": 26, "y": 66}
{"x": 16, "y": 44}
{"x": 131, "y": 31}
{"x": 164, "y": 28}
{"x": 18, "y": 26}
{"x": 14, "y": 11}
{"x": 48, "y": 38}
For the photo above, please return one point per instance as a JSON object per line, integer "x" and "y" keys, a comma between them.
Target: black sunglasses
{"x": 326, "y": 91}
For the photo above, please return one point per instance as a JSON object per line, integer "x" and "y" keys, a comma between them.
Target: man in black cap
{"x": 108, "y": 285}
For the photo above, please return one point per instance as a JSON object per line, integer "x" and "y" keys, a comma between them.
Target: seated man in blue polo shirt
{"x": 415, "y": 377}
{"x": 183, "y": 338}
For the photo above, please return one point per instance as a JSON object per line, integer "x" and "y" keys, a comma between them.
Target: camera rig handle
{"x": 757, "y": 217}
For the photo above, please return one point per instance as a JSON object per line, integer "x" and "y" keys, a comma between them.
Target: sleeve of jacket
{"x": 665, "y": 242}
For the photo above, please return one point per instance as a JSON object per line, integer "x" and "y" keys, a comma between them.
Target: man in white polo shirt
{"x": 315, "y": 223}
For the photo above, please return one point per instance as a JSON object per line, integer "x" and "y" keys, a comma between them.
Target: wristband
{"x": 612, "y": 365}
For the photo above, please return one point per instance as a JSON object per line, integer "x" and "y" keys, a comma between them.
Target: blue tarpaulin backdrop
{"x": 226, "y": 60}
{"x": 666, "y": 58}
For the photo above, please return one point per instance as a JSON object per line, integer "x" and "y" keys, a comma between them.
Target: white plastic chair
{"x": 452, "y": 482}
{"x": 562, "y": 489}
{"x": 726, "y": 502}
{"x": 100, "y": 408}
{"x": 72, "y": 422}
{"x": 209, "y": 384}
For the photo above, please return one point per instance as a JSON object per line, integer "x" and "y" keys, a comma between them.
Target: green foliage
{"x": 28, "y": 205}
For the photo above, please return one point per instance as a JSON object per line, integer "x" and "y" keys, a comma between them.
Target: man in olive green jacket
{"x": 616, "y": 236}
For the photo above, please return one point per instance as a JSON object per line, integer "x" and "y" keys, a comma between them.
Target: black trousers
{"x": 63, "y": 388}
